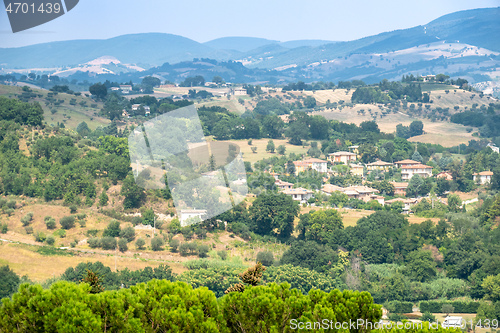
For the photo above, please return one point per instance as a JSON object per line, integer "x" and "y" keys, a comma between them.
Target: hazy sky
{"x": 206, "y": 20}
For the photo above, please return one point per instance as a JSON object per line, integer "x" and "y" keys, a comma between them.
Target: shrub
{"x": 108, "y": 243}
{"x": 399, "y": 307}
{"x": 29, "y": 230}
{"x": 112, "y": 230}
{"x": 67, "y": 222}
{"x": 50, "y": 240}
{"x": 203, "y": 250}
{"x": 396, "y": 317}
{"x": 175, "y": 226}
{"x": 137, "y": 220}
{"x": 72, "y": 209}
{"x": 50, "y": 223}
{"x": 122, "y": 245}
{"x": 187, "y": 232}
{"x": 140, "y": 244}
{"x": 93, "y": 242}
{"x": 40, "y": 237}
{"x": 192, "y": 247}
{"x": 4, "y": 228}
{"x": 26, "y": 220}
{"x": 60, "y": 233}
{"x": 174, "y": 244}
{"x": 92, "y": 232}
{"x": 427, "y": 316}
{"x": 9, "y": 211}
{"x": 128, "y": 233}
{"x": 266, "y": 258}
{"x": 222, "y": 254}
{"x": 200, "y": 233}
{"x": 459, "y": 306}
{"x": 11, "y": 204}
{"x": 157, "y": 243}
{"x": 184, "y": 249}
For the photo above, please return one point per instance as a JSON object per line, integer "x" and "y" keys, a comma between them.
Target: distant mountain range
{"x": 464, "y": 43}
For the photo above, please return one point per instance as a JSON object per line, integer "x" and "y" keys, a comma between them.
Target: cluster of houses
{"x": 409, "y": 168}
{"x": 135, "y": 107}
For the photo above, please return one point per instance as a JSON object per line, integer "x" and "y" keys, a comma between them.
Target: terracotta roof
{"x": 330, "y": 188}
{"x": 484, "y": 173}
{"x": 407, "y": 162}
{"x": 298, "y": 190}
{"x": 342, "y": 153}
{"x": 410, "y": 201}
{"x": 362, "y": 189}
{"x": 280, "y": 182}
{"x": 417, "y": 166}
{"x": 351, "y": 192}
{"x": 399, "y": 185}
{"x": 314, "y": 160}
{"x": 380, "y": 163}
{"x": 352, "y": 165}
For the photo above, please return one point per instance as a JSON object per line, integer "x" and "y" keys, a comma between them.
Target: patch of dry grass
{"x": 261, "y": 144}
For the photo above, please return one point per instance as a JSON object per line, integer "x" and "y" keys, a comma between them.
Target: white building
{"x": 494, "y": 148}
{"x": 126, "y": 88}
{"x": 283, "y": 185}
{"x": 190, "y": 216}
{"x": 408, "y": 171}
{"x": 311, "y": 163}
{"x": 407, "y": 203}
{"x": 483, "y": 177}
{"x": 299, "y": 194}
{"x": 342, "y": 156}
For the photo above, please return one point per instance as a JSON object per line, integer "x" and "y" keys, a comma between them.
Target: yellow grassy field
{"x": 261, "y": 145}
{"x": 38, "y": 267}
{"x": 232, "y": 105}
{"x": 444, "y": 133}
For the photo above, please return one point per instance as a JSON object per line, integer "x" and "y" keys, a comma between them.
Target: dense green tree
{"x": 9, "y": 281}
{"x": 266, "y": 303}
{"x": 454, "y": 203}
{"x": 266, "y": 258}
{"x": 83, "y": 129}
{"x": 112, "y": 230}
{"x": 273, "y": 126}
{"x": 20, "y": 112}
{"x": 310, "y": 102}
{"x": 311, "y": 255}
{"x": 491, "y": 286}
{"x": 274, "y": 213}
{"x": 320, "y": 225}
{"x": 416, "y": 128}
{"x": 420, "y": 266}
{"x": 134, "y": 195}
{"x": 98, "y": 90}
{"x": 270, "y": 146}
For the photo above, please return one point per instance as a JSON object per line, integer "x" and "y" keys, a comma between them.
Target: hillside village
{"x": 408, "y": 169}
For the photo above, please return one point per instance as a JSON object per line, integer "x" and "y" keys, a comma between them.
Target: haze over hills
{"x": 462, "y": 43}
{"x": 240, "y": 44}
